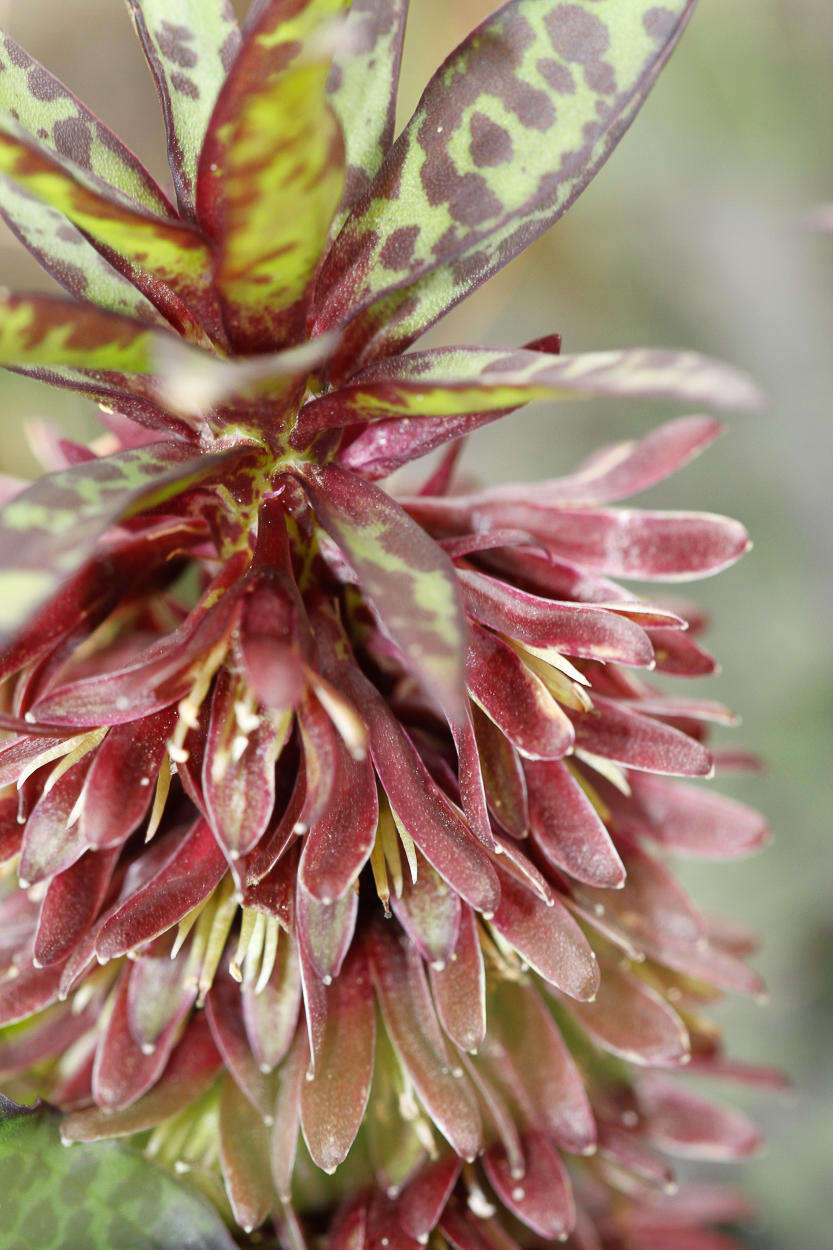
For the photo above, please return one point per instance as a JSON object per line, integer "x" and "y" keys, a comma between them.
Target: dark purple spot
{"x": 557, "y": 75}
{"x": 582, "y": 38}
{"x": 16, "y": 55}
{"x": 659, "y": 23}
{"x": 173, "y": 43}
{"x": 533, "y": 108}
{"x": 43, "y": 86}
{"x": 229, "y": 50}
{"x": 72, "y": 138}
{"x": 399, "y": 246}
{"x": 490, "y": 144}
{"x": 185, "y": 85}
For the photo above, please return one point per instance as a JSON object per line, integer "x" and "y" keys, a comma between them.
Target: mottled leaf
{"x": 361, "y": 89}
{"x": 408, "y": 580}
{"x": 508, "y": 132}
{"x": 271, "y": 172}
{"x": 63, "y": 514}
{"x": 167, "y": 260}
{"x": 454, "y": 381}
{"x": 50, "y": 112}
{"x": 190, "y": 46}
{"x": 121, "y": 1199}
{"x": 62, "y": 250}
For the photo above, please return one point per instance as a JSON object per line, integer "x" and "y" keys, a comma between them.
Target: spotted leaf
{"x": 49, "y": 110}
{"x": 508, "y": 132}
{"x": 120, "y": 1199}
{"x": 361, "y": 88}
{"x": 450, "y": 382}
{"x": 167, "y": 260}
{"x": 63, "y": 514}
{"x": 190, "y": 46}
{"x": 271, "y": 172}
{"x": 408, "y": 580}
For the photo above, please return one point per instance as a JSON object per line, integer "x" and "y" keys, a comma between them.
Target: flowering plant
{"x": 332, "y": 820}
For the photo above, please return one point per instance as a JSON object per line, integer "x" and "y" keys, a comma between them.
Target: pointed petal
{"x": 638, "y": 741}
{"x": 547, "y": 938}
{"x": 459, "y": 988}
{"x": 567, "y": 829}
{"x": 333, "y": 1102}
{"x": 541, "y": 1198}
{"x": 120, "y": 783}
{"x": 633, "y": 1021}
{"x": 409, "y": 1017}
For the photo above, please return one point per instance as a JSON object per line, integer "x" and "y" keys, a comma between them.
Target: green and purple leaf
{"x": 408, "y": 580}
{"x": 271, "y": 172}
{"x": 190, "y": 47}
{"x": 50, "y": 112}
{"x": 120, "y": 1198}
{"x": 454, "y": 382}
{"x": 167, "y": 260}
{"x": 63, "y": 514}
{"x": 361, "y": 89}
{"x": 508, "y": 132}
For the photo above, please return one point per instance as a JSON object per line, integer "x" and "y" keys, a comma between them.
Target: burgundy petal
{"x": 541, "y": 1197}
{"x": 120, "y": 784}
{"x": 566, "y": 828}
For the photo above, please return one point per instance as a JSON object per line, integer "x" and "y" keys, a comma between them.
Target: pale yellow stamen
{"x": 606, "y": 768}
{"x": 163, "y": 785}
{"x": 84, "y": 745}
{"x": 185, "y": 926}
{"x": 225, "y": 910}
{"x": 270, "y": 952}
{"x": 189, "y": 707}
{"x": 248, "y": 921}
{"x": 254, "y": 951}
{"x": 564, "y": 688}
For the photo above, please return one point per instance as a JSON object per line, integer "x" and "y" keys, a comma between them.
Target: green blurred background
{"x": 695, "y": 234}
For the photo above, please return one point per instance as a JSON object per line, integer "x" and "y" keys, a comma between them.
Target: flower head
{"x": 330, "y": 815}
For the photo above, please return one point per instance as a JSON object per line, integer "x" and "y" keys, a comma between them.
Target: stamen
{"x": 380, "y": 873}
{"x": 224, "y": 913}
{"x": 189, "y": 707}
{"x": 610, "y": 771}
{"x": 387, "y": 835}
{"x": 255, "y": 949}
{"x": 46, "y": 757}
{"x": 270, "y": 952}
{"x": 350, "y": 728}
{"x": 163, "y": 785}
{"x": 408, "y": 847}
{"x": 248, "y": 921}
{"x": 185, "y": 926}
{"x": 83, "y": 746}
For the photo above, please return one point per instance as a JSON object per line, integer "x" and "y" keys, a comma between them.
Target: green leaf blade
{"x": 508, "y": 132}
{"x": 361, "y": 88}
{"x": 167, "y": 260}
{"x": 271, "y": 173}
{"x": 190, "y": 46}
{"x": 105, "y": 1196}
{"x": 46, "y": 108}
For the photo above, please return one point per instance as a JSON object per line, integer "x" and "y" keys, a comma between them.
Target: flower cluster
{"x": 335, "y": 824}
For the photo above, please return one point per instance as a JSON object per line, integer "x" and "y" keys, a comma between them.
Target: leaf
{"x": 408, "y": 580}
{"x": 63, "y": 514}
{"x": 271, "y": 172}
{"x": 361, "y": 89}
{"x": 49, "y": 111}
{"x": 67, "y": 256}
{"x": 121, "y": 1200}
{"x": 49, "y": 330}
{"x": 167, "y": 260}
{"x": 450, "y": 382}
{"x": 508, "y": 132}
{"x": 190, "y": 46}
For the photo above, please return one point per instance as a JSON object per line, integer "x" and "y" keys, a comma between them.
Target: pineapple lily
{"x": 334, "y": 822}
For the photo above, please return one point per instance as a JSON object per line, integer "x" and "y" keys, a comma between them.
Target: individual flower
{"x": 332, "y": 818}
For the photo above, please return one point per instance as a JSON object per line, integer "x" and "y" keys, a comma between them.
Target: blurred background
{"x": 694, "y": 235}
